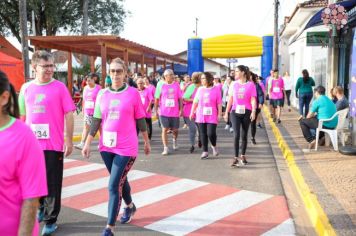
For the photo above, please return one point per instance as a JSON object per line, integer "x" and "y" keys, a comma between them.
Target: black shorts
{"x": 277, "y": 102}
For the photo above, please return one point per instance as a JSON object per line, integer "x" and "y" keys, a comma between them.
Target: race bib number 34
{"x": 109, "y": 139}
{"x": 41, "y": 131}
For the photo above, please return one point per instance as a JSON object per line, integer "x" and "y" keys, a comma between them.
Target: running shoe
{"x": 128, "y": 214}
{"x": 49, "y": 229}
{"x": 191, "y": 150}
{"x": 204, "y": 155}
{"x": 259, "y": 125}
{"x": 175, "y": 145}
{"x": 165, "y": 151}
{"x": 243, "y": 160}
{"x": 215, "y": 151}
{"x": 235, "y": 162}
{"x": 227, "y": 127}
{"x": 40, "y": 214}
{"x": 79, "y": 146}
{"x": 253, "y": 141}
{"x": 279, "y": 121}
{"x": 231, "y": 130}
{"x": 184, "y": 126}
{"x": 107, "y": 232}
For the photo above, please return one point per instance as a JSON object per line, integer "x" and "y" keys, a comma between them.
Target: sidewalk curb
{"x": 316, "y": 214}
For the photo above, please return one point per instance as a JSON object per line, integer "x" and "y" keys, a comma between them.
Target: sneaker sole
{"x": 48, "y": 234}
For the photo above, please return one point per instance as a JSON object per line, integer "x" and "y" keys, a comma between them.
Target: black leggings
{"x": 253, "y": 124}
{"x": 243, "y": 121}
{"x": 288, "y": 92}
{"x": 149, "y": 127}
{"x": 207, "y": 130}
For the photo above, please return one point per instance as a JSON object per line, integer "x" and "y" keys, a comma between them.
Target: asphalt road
{"x": 259, "y": 180}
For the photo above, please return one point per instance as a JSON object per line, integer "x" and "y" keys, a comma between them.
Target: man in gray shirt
{"x": 342, "y": 101}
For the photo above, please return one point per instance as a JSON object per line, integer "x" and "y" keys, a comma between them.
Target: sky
{"x": 166, "y": 25}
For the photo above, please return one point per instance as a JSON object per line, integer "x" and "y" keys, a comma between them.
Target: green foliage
{"x": 85, "y": 69}
{"x": 52, "y": 16}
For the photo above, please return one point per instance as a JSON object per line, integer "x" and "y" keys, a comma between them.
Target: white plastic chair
{"x": 333, "y": 133}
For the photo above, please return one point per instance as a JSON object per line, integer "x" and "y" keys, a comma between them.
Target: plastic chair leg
{"x": 317, "y": 139}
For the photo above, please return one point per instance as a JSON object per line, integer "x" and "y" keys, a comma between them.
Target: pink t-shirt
{"x": 187, "y": 106}
{"x": 45, "y": 106}
{"x": 146, "y": 98}
{"x": 152, "y": 89}
{"x": 276, "y": 89}
{"x": 119, "y": 112}
{"x": 22, "y": 175}
{"x": 89, "y": 97}
{"x": 169, "y": 100}
{"x": 208, "y": 100}
{"x": 242, "y": 94}
{"x": 219, "y": 85}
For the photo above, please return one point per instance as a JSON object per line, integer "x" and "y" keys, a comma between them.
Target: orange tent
{"x": 14, "y": 69}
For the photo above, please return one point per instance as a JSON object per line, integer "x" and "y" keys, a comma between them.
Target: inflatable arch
{"x": 230, "y": 46}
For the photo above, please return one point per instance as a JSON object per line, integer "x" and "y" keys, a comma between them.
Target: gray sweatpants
{"x": 192, "y": 130}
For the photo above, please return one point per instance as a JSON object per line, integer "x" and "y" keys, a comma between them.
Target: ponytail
{"x": 305, "y": 76}
{"x": 12, "y": 107}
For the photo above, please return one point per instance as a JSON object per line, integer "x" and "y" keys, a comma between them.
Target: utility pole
{"x": 196, "y": 27}
{"x": 275, "y": 37}
{"x": 23, "y": 29}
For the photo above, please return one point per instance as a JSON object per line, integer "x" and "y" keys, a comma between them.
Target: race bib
{"x": 169, "y": 103}
{"x": 114, "y": 115}
{"x": 89, "y": 105}
{"x": 41, "y": 131}
{"x": 276, "y": 89}
{"x": 240, "y": 109}
{"x": 207, "y": 111}
{"x": 109, "y": 139}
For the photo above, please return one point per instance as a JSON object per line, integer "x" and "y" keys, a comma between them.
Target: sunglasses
{"x": 119, "y": 71}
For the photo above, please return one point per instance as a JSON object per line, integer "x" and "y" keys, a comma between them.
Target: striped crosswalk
{"x": 178, "y": 206}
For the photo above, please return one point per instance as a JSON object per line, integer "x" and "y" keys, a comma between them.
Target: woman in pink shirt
{"x": 90, "y": 93}
{"x": 117, "y": 111}
{"x": 207, "y": 107}
{"x": 242, "y": 102}
{"x": 147, "y": 102}
{"x": 188, "y": 99}
{"x": 22, "y": 165}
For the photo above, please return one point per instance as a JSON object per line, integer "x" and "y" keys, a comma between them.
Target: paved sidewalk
{"x": 329, "y": 174}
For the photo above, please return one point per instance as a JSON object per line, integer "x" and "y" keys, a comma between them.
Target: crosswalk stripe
{"x": 251, "y": 221}
{"x": 200, "y": 216}
{"x": 179, "y": 203}
{"x": 99, "y": 196}
{"x": 82, "y": 169}
{"x": 65, "y": 160}
{"x": 152, "y": 195}
{"x": 98, "y": 184}
{"x": 84, "y": 177}
{"x": 284, "y": 229}
{"x": 73, "y": 164}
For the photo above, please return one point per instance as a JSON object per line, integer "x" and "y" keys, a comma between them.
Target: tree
{"x": 105, "y": 16}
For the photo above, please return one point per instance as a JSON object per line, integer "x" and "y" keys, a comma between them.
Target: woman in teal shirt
{"x": 304, "y": 87}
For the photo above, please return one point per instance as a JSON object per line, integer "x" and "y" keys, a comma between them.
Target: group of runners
{"x": 34, "y": 163}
